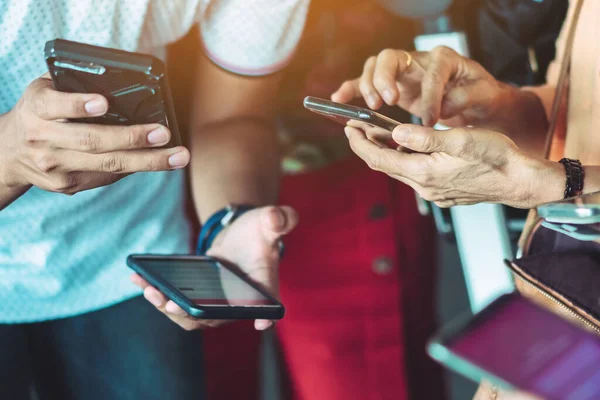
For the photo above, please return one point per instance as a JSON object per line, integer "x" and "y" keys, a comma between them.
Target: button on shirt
{"x": 62, "y": 256}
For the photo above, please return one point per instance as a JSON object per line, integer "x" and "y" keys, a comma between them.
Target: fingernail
{"x": 372, "y": 100}
{"x": 261, "y": 325}
{"x": 277, "y": 218}
{"x": 95, "y": 107}
{"x": 401, "y": 134}
{"x": 178, "y": 160}
{"x": 388, "y": 96}
{"x": 158, "y": 136}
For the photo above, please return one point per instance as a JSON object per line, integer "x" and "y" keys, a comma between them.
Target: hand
{"x": 462, "y": 166}
{"x": 251, "y": 243}
{"x": 440, "y": 84}
{"x": 38, "y": 147}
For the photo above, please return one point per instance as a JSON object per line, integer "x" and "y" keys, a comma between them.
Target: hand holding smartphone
{"x": 64, "y": 140}
{"x": 135, "y": 84}
{"x": 377, "y": 127}
{"x": 206, "y": 288}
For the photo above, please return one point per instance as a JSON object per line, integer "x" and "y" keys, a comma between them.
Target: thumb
{"x": 277, "y": 221}
{"x": 419, "y": 138}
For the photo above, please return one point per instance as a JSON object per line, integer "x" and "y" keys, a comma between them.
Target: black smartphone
{"x": 135, "y": 85}
{"x": 516, "y": 344}
{"x": 205, "y": 287}
{"x": 342, "y": 113}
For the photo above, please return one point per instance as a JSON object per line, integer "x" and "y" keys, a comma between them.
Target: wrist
{"x": 542, "y": 181}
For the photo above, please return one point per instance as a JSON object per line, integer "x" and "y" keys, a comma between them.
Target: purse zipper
{"x": 563, "y": 306}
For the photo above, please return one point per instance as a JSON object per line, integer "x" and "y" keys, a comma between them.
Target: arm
{"x": 235, "y": 150}
{"x": 8, "y": 194}
{"x": 235, "y": 158}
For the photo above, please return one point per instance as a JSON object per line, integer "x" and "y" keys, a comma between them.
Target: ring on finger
{"x": 408, "y": 59}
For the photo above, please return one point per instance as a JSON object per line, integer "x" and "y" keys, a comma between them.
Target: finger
{"x": 125, "y": 162}
{"x": 139, "y": 281}
{"x": 156, "y": 298}
{"x": 348, "y": 91}
{"x": 441, "y": 68}
{"x": 50, "y": 104}
{"x": 172, "y": 308}
{"x": 263, "y": 324}
{"x": 94, "y": 138}
{"x": 277, "y": 222}
{"x": 366, "y": 87}
{"x": 462, "y": 98}
{"x": 428, "y": 140}
{"x": 388, "y": 161}
{"x": 390, "y": 65}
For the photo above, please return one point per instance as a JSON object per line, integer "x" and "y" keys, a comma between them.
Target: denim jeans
{"x": 124, "y": 352}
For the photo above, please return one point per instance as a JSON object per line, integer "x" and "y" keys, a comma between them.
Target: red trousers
{"x": 358, "y": 283}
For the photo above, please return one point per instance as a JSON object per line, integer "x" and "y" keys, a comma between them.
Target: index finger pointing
{"x": 434, "y": 84}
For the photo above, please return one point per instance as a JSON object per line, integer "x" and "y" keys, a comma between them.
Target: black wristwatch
{"x": 575, "y": 175}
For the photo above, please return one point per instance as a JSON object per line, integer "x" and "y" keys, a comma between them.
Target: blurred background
{"x": 513, "y": 39}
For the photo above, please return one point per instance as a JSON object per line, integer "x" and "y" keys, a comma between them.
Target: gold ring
{"x": 408, "y": 59}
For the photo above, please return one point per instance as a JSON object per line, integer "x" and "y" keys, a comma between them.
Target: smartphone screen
{"x": 532, "y": 349}
{"x": 206, "y": 282}
{"x": 584, "y": 209}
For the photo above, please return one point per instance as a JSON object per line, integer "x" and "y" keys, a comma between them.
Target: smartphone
{"x": 584, "y": 209}
{"x": 584, "y": 232}
{"x": 135, "y": 85}
{"x": 516, "y": 344}
{"x": 342, "y": 113}
{"x": 205, "y": 287}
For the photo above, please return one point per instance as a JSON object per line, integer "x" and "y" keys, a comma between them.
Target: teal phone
{"x": 515, "y": 344}
{"x": 584, "y": 209}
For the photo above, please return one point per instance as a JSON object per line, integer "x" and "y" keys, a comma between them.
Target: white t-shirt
{"x": 62, "y": 256}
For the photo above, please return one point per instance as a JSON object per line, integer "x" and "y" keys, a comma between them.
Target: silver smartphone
{"x": 584, "y": 209}
{"x": 342, "y": 113}
{"x": 516, "y": 344}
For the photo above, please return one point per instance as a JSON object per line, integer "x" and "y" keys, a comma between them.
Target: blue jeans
{"x": 128, "y": 351}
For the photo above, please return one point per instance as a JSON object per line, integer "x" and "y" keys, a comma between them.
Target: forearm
{"x": 521, "y": 115}
{"x": 234, "y": 161}
{"x": 10, "y": 194}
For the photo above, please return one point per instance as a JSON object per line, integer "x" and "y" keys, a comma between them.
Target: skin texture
{"x": 492, "y": 154}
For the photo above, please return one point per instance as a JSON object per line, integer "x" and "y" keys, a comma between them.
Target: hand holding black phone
{"x": 206, "y": 288}
{"x": 135, "y": 84}
{"x": 64, "y": 132}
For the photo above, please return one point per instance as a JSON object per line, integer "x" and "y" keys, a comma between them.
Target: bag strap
{"x": 562, "y": 79}
{"x": 531, "y": 223}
